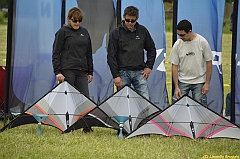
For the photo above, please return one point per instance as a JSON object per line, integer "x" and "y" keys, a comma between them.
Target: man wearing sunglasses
{"x": 191, "y": 59}
{"x": 126, "y": 53}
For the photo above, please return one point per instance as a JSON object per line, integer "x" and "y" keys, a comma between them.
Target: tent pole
{"x": 175, "y": 13}
{"x": 174, "y": 33}
{"x": 118, "y": 12}
{"x": 63, "y": 12}
{"x": 8, "y": 61}
{"x": 233, "y": 59}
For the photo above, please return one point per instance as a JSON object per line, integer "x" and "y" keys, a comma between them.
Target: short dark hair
{"x": 184, "y": 25}
{"x": 131, "y": 11}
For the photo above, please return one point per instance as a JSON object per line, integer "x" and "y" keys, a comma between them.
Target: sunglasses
{"x": 181, "y": 35}
{"x": 75, "y": 21}
{"x": 131, "y": 20}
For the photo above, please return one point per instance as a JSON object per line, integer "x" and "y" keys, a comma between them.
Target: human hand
{"x": 60, "y": 77}
{"x": 90, "y": 77}
{"x": 118, "y": 82}
{"x": 205, "y": 88}
{"x": 177, "y": 93}
{"x": 146, "y": 72}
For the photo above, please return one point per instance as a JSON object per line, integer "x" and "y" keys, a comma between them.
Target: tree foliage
{"x": 167, "y": 1}
{"x": 229, "y": 1}
{"x": 3, "y": 4}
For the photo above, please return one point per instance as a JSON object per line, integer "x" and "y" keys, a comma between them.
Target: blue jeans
{"x": 196, "y": 90}
{"x": 135, "y": 78}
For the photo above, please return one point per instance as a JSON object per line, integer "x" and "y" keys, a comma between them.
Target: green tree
{"x": 168, "y": 1}
{"x": 3, "y": 4}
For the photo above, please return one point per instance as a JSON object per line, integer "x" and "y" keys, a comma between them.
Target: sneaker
{"x": 228, "y": 117}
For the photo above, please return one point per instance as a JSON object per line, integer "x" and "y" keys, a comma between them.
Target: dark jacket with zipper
{"x": 126, "y": 49}
{"x": 72, "y": 49}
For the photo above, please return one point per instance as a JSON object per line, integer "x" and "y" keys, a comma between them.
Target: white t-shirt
{"x": 191, "y": 57}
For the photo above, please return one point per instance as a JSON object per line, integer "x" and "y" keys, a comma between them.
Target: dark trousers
{"x": 78, "y": 79}
{"x": 228, "y": 104}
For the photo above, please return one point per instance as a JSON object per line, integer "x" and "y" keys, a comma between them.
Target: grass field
{"x": 3, "y": 44}
{"x": 23, "y": 142}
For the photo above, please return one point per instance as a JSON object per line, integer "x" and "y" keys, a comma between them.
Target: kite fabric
{"x": 89, "y": 120}
{"x": 64, "y": 105}
{"x": 190, "y": 119}
{"x": 128, "y": 103}
{"x": 207, "y": 18}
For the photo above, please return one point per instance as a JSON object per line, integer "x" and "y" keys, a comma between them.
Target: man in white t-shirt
{"x": 191, "y": 59}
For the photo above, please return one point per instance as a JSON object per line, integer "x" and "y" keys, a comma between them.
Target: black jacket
{"x": 126, "y": 49}
{"x": 72, "y": 49}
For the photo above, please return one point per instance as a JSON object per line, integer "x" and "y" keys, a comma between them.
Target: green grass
{"x": 22, "y": 142}
{"x": 3, "y": 44}
{"x": 3, "y": 18}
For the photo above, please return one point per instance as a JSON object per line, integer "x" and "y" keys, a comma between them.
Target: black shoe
{"x": 87, "y": 130}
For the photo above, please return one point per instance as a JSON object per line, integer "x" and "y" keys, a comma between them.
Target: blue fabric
{"x": 207, "y": 18}
{"x": 151, "y": 15}
{"x": 237, "y": 78}
{"x": 36, "y": 22}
